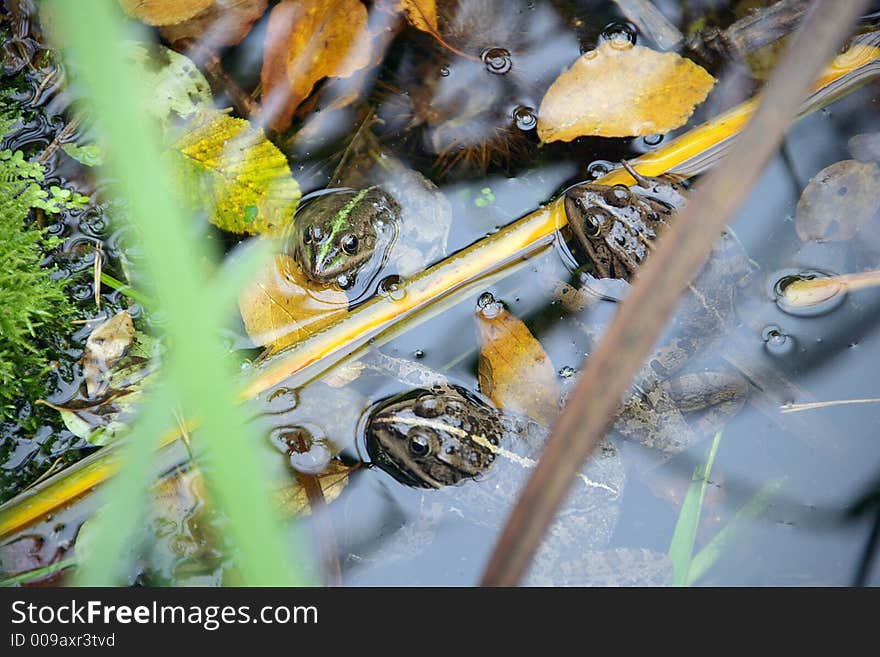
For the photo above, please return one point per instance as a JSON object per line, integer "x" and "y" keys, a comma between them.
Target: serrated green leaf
{"x": 244, "y": 176}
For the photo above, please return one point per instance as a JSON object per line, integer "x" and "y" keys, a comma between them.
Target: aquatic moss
{"x": 33, "y": 304}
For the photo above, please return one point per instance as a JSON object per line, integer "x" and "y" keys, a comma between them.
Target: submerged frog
{"x": 616, "y": 227}
{"x": 475, "y": 460}
{"x": 378, "y": 216}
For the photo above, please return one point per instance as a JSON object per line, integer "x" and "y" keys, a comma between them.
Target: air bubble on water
{"x": 485, "y": 299}
{"x": 621, "y": 36}
{"x": 776, "y": 341}
{"x": 444, "y": 71}
{"x": 567, "y": 372}
{"x": 599, "y": 168}
{"x": 488, "y": 307}
{"x": 652, "y": 140}
{"x": 497, "y": 60}
{"x": 392, "y": 288}
{"x": 283, "y": 397}
{"x": 344, "y": 281}
{"x": 314, "y": 461}
{"x": 418, "y": 353}
{"x": 525, "y": 118}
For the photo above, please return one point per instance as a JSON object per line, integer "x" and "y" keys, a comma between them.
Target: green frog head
{"x": 433, "y": 438}
{"x": 343, "y": 232}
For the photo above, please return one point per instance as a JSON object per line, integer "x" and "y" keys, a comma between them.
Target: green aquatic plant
{"x": 33, "y": 304}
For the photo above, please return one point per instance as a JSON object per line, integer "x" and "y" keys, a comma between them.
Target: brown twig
{"x": 760, "y": 28}
{"x": 653, "y": 297}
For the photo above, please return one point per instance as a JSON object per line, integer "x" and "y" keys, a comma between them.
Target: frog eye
{"x": 593, "y": 224}
{"x": 419, "y": 445}
{"x": 349, "y": 243}
{"x": 618, "y": 196}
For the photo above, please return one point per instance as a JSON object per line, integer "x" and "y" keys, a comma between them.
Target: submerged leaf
{"x": 163, "y": 12}
{"x": 307, "y": 41}
{"x": 514, "y": 371}
{"x": 839, "y": 201}
{"x": 282, "y": 306}
{"x": 223, "y": 23}
{"x": 105, "y": 346}
{"x": 237, "y": 171}
{"x": 616, "y": 91}
{"x": 294, "y": 500}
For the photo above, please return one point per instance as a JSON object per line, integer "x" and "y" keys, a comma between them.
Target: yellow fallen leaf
{"x": 163, "y": 12}
{"x": 282, "y": 306}
{"x": 242, "y": 176}
{"x": 307, "y": 41}
{"x": 838, "y": 201}
{"x": 223, "y": 23}
{"x": 513, "y": 369}
{"x": 421, "y": 14}
{"x": 616, "y": 91}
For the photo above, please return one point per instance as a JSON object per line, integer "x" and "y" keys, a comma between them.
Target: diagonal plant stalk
{"x": 659, "y": 285}
{"x": 459, "y": 272}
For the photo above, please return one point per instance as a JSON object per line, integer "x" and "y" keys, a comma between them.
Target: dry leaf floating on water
{"x": 421, "y": 14}
{"x": 164, "y": 12}
{"x": 223, "y": 23}
{"x": 307, "y": 41}
{"x": 513, "y": 369}
{"x": 622, "y": 91}
{"x": 239, "y": 174}
{"x": 282, "y": 306}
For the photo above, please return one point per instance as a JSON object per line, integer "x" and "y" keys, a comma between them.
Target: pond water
{"x": 786, "y": 491}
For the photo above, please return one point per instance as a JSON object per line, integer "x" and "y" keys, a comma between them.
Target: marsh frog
{"x": 474, "y": 461}
{"x": 377, "y": 216}
{"x": 616, "y": 227}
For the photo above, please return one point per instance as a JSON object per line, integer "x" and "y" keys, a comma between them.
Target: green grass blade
{"x": 682, "y": 544}
{"x": 38, "y": 573}
{"x": 199, "y": 378}
{"x": 707, "y": 557}
{"x": 117, "y": 523}
{"x": 128, "y": 290}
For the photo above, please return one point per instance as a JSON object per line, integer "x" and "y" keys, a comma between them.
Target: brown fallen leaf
{"x": 622, "y": 91}
{"x": 421, "y": 14}
{"x": 513, "y": 369}
{"x": 307, "y": 41}
{"x": 282, "y": 307}
{"x": 163, "y": 12}
{"x": 222, "y": 23}
{"x": 838, "y": 201}
{"x": 294, "y": 500}
{"x": 104, "y": 347}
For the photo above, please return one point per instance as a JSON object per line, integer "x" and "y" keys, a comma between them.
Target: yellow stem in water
{"x": 809, "y": 292}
